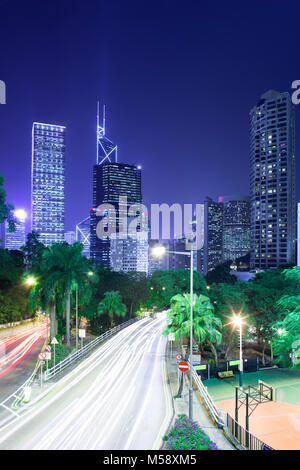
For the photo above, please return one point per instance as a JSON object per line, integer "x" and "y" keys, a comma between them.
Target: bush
{"x": 187, "y": 435}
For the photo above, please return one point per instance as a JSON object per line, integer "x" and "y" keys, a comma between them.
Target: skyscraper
{"x": 236, "y": 226}
{"x": 112, "y": 180}
{"x": 272, "y": 181}
{"x": 15, "y": 240}
{"x": 48, "y": 182}
{"x": 213, "y": 235}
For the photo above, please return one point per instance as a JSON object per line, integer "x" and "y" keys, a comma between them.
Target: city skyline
{"x": 157, "y": 122}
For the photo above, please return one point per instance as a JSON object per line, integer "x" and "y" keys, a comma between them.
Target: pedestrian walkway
{"x": 181, "y": 405}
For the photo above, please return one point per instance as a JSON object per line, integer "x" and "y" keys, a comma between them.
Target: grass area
{"x": 285, "y": 381}
{"x": 188, "y": 435}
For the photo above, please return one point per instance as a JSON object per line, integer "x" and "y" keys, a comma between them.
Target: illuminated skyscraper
{"x": 112, "y": 180}
{"x": 272, "y": 181}
{"x": 15, "y": 240}
{"x": 236, "y": 226}
{"x": 213, "y": 235}
{"x": 48, "y": 182}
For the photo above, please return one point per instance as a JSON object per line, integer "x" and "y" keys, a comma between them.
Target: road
{"x": 115, "y": 399}
{"x": 18, "y": 356}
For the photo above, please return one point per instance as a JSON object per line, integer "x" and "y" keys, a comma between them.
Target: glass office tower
{"x": 48, "y": 182}
{"x": 272, "y": 181}
{"x": 111, "y": 181}
{"x": 236, "y": 226}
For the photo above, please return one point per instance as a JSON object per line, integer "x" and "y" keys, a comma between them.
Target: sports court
{"x": 277, "y": 423}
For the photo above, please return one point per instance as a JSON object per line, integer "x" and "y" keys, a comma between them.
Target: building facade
{"x": 15, "y": 240}
{"x": 111, "y": 181}
{"x": 48, "y": 182}
{"x": 272, "y": 181}
{"x": 236, "y": 226}
{"x": 70, "y": 237}
{"x": 213, "y": 235}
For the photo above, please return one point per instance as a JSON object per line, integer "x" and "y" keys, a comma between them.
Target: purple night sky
{"x": 178, "y": 79}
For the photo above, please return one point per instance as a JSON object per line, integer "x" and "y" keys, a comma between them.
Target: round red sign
{"x": 183, "y": 366}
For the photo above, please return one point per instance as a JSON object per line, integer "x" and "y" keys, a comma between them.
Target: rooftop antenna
{"x": 103, "y": 125}
{"x": 97, "y": 130}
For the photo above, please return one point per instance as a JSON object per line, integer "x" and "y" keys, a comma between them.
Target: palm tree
{"x": 62, "y": 270}
{"x": 206, "y": 325}
{"x": 112, "y": 305}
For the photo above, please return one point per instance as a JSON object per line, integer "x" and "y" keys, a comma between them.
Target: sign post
{"x": 81, "y": 334}
{"x": 42, "y": 357}
{"x": 48, "y": 355}
{"x": 54, "y": 342}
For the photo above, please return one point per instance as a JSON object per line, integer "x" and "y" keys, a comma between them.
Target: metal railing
{"x": 245, "y": 438}
{"x": 76, "y": 355}
{"x": 216, "y": 413}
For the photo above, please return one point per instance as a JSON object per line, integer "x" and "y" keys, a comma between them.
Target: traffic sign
{"x": 178, "y": 357}
{"x": 54, "y": 341}
{"x": 48, "y": 355}
{"x": 183, "y": 366}
{"x": 42, "y": 356}
{"x": 48, "y": 348}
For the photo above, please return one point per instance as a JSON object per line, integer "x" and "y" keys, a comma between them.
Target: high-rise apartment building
{"x": 16, "y": 239}
{"x": 236, "y": 226}
{"x": 272, "y": 181}
{"x": 48, "y": 182}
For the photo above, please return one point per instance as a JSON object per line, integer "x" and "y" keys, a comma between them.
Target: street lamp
{"x": 90, "y": 273}
{"x": 238, "y": 321}
{"x": 159, "y": 251}
{"x": 30, "y": 281}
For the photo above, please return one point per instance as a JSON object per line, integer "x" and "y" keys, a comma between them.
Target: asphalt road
{"x": 115, "y": 399}
{"x": 18, "y": 357}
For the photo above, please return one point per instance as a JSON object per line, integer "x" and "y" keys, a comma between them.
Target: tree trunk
{"x": 68, "y": 318}
{"x": 214, "y": 351}
{"x": 52, "y": 320}
{"x": 263, "y": 354}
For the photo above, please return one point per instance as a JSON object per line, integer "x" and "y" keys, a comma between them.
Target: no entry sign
{"x": 183, "y": 366}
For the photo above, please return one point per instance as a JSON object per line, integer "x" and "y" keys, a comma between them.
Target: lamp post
{"x": 159, "y": 251}
{"x": 90, "y": 273}
{"x": 238, "y": 321}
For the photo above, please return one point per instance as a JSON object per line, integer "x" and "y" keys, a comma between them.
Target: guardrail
{"x": 87, "y": 348}
{"x": 216, "y": 413}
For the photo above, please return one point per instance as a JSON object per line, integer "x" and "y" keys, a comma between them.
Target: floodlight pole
{"x": 191, "y": 339}
{"x": 241, "y": 358}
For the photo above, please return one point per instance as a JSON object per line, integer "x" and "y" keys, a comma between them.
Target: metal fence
{"x": 245, "y": 438}
{"x": 216, "y": 413}
{"x": 76, "y": 355}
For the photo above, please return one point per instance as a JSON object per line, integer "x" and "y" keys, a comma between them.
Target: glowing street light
{"x": 30, "y": 281}
{"x": 159, "y": 251}
{"x": 237, "y": 320}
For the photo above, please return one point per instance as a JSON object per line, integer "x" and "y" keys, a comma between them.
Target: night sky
{"x": 178, "y": 79}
